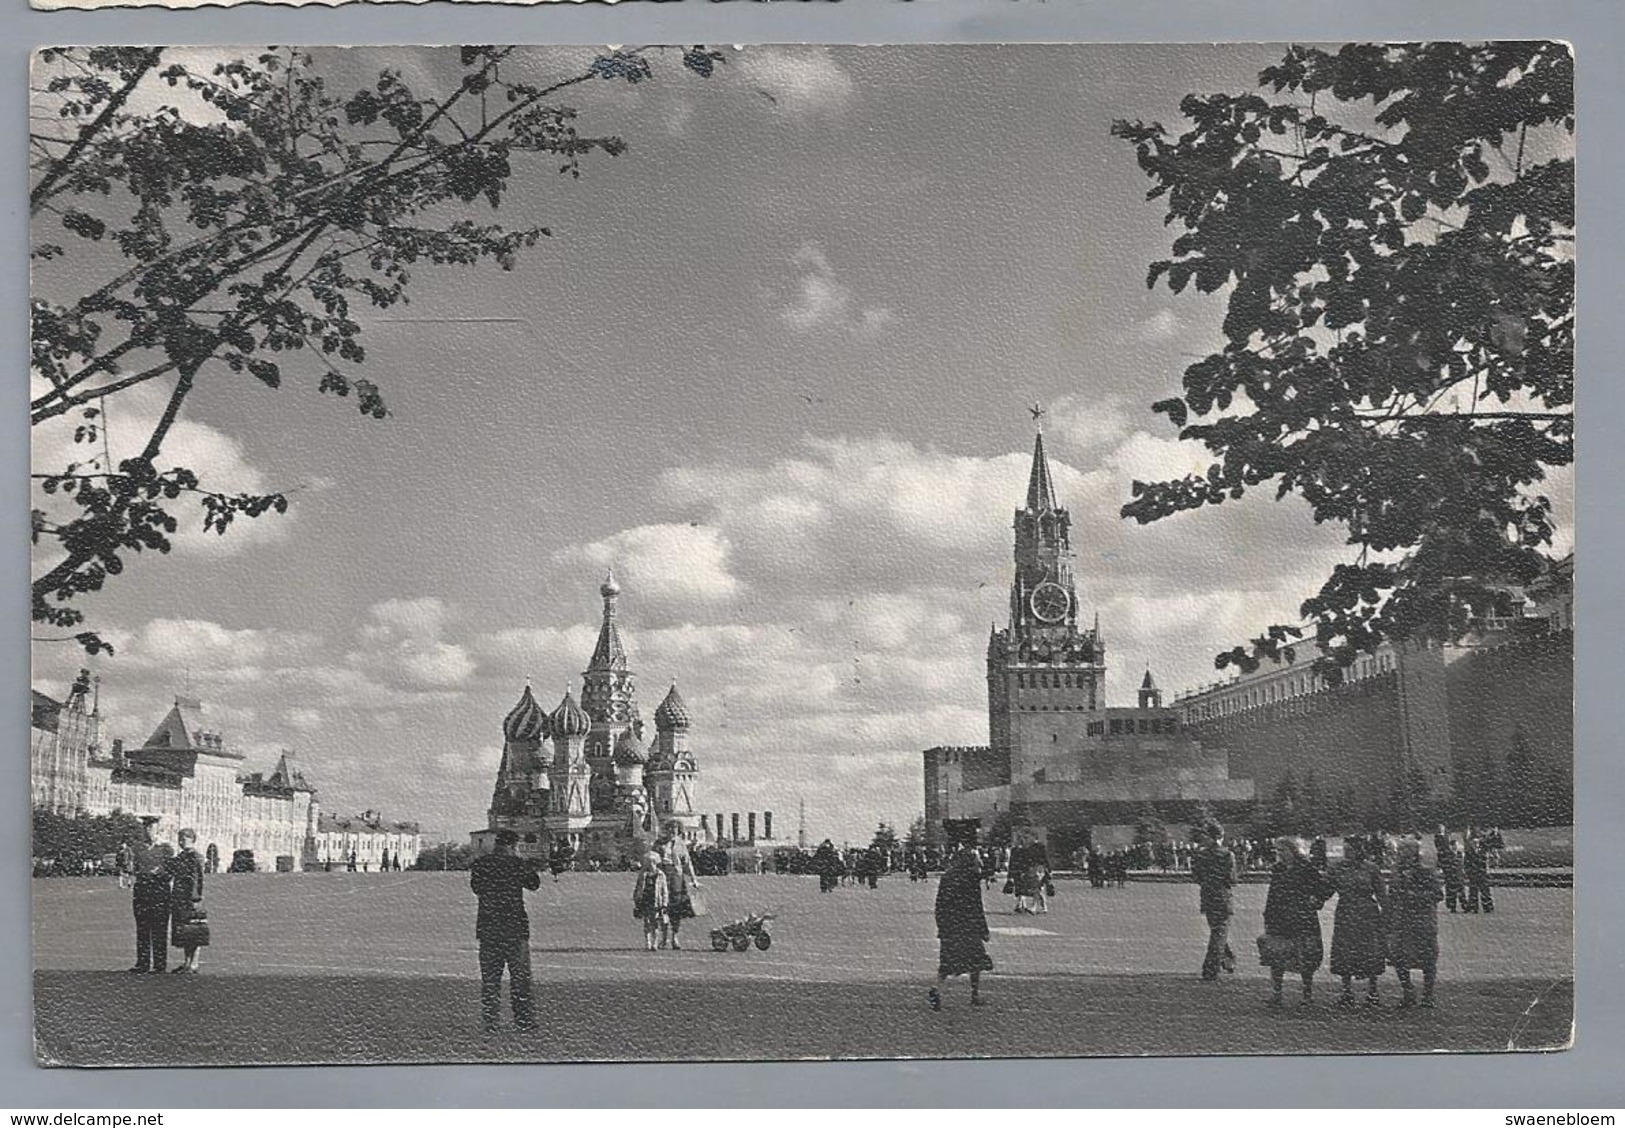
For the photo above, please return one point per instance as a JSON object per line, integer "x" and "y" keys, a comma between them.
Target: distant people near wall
{"x": 1029, "y": 870}
{"x": 124, "y": 863}
{"x": 1447, "y": 851}
{"x": 1475, "y": 865}
{"x": 827, "y": 864}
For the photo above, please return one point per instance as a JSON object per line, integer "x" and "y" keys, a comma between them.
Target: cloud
{"x": 303, "y": 720}
{"x": 1164, "y": 325}
{"x": 1091, "y": 425}
{"x": 401, "y": 646}
{"x": 219, "y": 460}
{"x": 818, "y": 300}
{"x": 673, "y": 564}
{"x": 796, "y": 80}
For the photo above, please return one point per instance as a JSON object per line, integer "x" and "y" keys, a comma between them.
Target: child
{"x": 649, "y": 899}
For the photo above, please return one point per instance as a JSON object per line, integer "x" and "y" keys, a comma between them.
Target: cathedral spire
{"x": 609, "y": 654}
{"x": 1040, "y": 487}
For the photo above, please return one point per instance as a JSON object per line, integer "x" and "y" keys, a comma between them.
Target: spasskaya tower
{"x": 1043, "y": 661}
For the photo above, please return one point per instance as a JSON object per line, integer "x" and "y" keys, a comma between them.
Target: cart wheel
{"x": 719, "y": 942}
{"x": 763, "y": 941}
{"x": 741, "y": 943}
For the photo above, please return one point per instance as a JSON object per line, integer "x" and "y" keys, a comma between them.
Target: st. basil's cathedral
{"x": 583, "y": 773}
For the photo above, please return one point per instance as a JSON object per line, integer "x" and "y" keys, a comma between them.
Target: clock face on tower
{"x": 1050, "y": 602}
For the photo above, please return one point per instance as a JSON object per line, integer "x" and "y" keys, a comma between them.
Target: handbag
{"x": 193, "y": 932}
{"x": 1049, "y": 888}
{"x": 1009, "y": 887}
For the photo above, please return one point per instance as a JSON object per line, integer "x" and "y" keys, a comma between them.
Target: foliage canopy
{"x": 237, "y": 217}
{"x": 1392, "y": 229}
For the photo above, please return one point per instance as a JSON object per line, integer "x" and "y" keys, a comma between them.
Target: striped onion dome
{"x": 527, "y": 722}
{"x": 570, "y": 719}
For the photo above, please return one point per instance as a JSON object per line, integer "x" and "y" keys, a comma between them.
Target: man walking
{"x": 1213, "y": 868}
{"x": 499, "y": 879}
{"x": 151, "y": 900}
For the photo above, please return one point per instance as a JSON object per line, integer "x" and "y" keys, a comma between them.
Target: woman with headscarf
{"x": 961, "y": 926}
{"x": 1413, "y": 921}
{"x": 1291, "y": 940}
{"x": 678, "y": 867}
{"x": 1358, "y": 948}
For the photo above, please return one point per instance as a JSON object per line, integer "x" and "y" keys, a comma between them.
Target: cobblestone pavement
{"x": 381, "y": 967}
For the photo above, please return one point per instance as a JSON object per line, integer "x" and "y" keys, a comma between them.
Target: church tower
{"x": 570, "y": 808}
{"x": 609, "y": 696}
{"x": 1044, "y": 660}
{"x": 672, "y": 768}
{"x": 1150, "y": 695}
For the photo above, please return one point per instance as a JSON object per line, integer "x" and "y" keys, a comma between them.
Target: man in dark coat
{"x": 1475, "y": 866}
{"x": 151, "y": 900}
{"x": 499, "y": 879}
{"x": 1213, "y": 868}
{"x": 827, "y": 864}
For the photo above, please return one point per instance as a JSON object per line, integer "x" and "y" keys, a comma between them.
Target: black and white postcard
{"x": 769, "y": 552}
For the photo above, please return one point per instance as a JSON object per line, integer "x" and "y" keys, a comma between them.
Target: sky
{"x": 773, "y": 367}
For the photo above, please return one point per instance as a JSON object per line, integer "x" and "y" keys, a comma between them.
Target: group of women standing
{"x": 1376, "y": 923}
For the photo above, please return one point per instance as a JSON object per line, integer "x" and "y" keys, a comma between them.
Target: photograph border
{"x": 1583, "y": 1076}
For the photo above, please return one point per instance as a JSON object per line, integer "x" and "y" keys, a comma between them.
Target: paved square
{"x": 381, "y": 967}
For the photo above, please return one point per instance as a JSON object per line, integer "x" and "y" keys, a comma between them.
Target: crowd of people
{"x": 1385, "y": 915}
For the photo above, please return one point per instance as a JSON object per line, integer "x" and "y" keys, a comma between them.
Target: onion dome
{"x": 609, "y": 586}
{"x": 527, "y": 723}
{"x": 629, "y": 750}
{"x": 569, "y": 719}
{"x": 672, "y": 713}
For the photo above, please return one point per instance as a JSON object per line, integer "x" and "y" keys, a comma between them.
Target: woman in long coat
{"x": 961, "y": 926}
{"x": 827, "y": 864}
{"x": 1029, "y": 866}
{"x": 1359, "y": 950}
{"x": 185, "y": 896}
{"x": 1413, "y": 921}
{"x": 1292, "y": 918}
{"x": 678, "y": 866}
